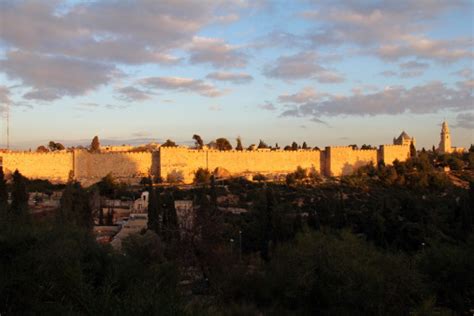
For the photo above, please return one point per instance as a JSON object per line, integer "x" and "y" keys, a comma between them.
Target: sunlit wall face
{"x": 325, "y": 73}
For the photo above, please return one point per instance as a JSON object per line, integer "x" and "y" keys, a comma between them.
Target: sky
{"x": 324, "y": 72}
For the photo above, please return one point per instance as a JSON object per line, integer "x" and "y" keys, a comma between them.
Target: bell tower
{"x": 445, "y": 142}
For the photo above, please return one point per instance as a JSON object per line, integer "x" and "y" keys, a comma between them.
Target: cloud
{"x": 216, "y": 52}
{"x": 388, "y": 73}
{"x": 303, "y": 65}
{"x": 440, "y": 50}
{"x": 307, "y": 94}
{"x": 121, "y": 31}
{"x": 182, "y": 85}
{"x": 54, "y": 77}
{"x": 465, "y": 73}
{"x": 131, "y": 94}
{"x": 237, "y": 78}
{"x": 465, "y": 120}
{"x": 267, "y": 106}
{"x": 388, "y": 29}
{"x": 413, "y": 64}
{"x": 411, "y": 73}
{"x": 427, "y": 98}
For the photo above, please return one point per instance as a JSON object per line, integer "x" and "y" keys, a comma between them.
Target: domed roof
{"x": 404, "y": 136}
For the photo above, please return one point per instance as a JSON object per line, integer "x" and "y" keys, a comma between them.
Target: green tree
{"x": 170, "y": 218}
{"x": 304, "y": 146}
{"x": 169, "y": 143}
{"x": 294, "y": 146}
{"x": 223, "y": 144}
{"x": 412, "y": 150}
{"x": 75, "y": 208}
{"x": 95, "y": 145}
{"x": 262, "y": 145}
{"x": 55, "y": 146}
{"x": 154, "y": 210}
{"x": 239, "y": 144}
{"x": 3, "y": 194}
{"x": 202, "y": 176}
{"x": 42, "y": 149}
{"x": 198, "y": 141}
{"x": 19, "y": 194}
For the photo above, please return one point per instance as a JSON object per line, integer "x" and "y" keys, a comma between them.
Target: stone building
{"x": 404, "y": 139}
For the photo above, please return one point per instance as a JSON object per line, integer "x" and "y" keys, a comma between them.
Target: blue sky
{"x": 324, "y": 72}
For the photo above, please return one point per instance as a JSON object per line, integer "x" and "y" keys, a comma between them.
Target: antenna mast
{"x": 8, "y": 126}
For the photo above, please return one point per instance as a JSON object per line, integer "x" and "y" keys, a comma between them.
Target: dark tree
{"x": 262, "y": 145}
{"x": 412, "y": 150}
{"x": 223, "y": 144}
{"x": 42, "y": 149}
{"x": 202, "y": 176}
{"x": 75, "y": 208}
{"x": 19, "y": 194}
{"x": 95, "y": 145}
{"x": 154, "y": 210}
{"x": 198, "y": 141}
{"x": 170, "y": 219}
{"x": 169, "y": 143}
{"x": 3, "y": 194}
{"x": 239, "y": 144}
{"x": 354, "y": 146}
{"x": 110, "y": 217}
{"x": 294, "y": 146}
{"x": 305, "y": 146}
{"x": 101, "y": 216}
{"x": 288, "y": 147}
{"x": 55, "y": 146}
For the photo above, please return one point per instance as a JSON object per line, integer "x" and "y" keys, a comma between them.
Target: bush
{"x": 202, "y": 176}
{"x": 259, "y": 177}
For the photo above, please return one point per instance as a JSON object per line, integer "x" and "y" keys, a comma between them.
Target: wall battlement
{"x": 132, "y": 166}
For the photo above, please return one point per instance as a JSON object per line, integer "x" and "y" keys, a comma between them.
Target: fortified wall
{"x": 89, "y": 168}
{"x": 54, "y": 166}
{"x": 185, "y": 161}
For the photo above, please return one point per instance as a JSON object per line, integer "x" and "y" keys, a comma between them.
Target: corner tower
{"x": 445, "y": 141}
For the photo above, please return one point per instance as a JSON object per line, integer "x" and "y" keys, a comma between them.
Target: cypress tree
{"x": 19, "y": 194}
{"x": 154, "y": 206}
{"x": 239, "y": 144}
{"x": 412, "y": 150}
{"x": 3, "y": 194}
{"x": 75, "y": 207}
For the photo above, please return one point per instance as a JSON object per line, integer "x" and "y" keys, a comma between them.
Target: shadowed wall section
{"x": 124, "y": 166}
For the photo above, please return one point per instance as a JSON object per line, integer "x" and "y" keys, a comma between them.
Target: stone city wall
{"x": 186, "y": 161}
{"x": 183, "y": 162}
{"x": 344, "y": 160}
{"x": 55, "y": 167}
{"x": 389, "y": 153}
{"x": 124, "y": 166}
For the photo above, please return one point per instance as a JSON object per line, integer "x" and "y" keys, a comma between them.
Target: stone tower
{"x": 445, "y": 142}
